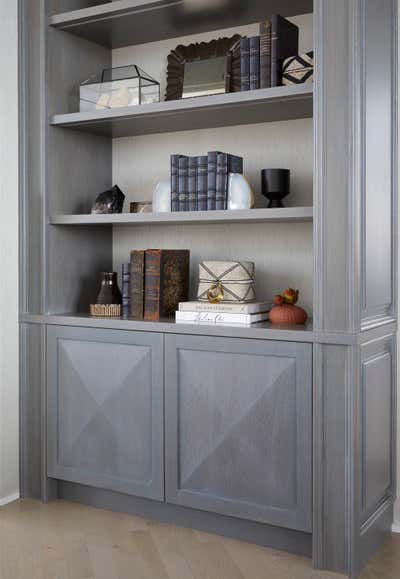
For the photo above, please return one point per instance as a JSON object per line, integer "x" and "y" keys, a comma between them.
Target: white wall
{"x": 9, "y": 387}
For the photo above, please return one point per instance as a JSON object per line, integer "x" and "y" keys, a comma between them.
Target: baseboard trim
{"x": 10, "y": 499}
{"x": 298, "y": 542}
{"x": 396, "y": 528}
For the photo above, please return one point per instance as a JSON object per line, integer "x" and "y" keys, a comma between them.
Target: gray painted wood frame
{"x": 223, "y": 110}
{"x": 238, "y": 428}
{"x": 105, "y": 409}
{"x": 352, "y": 340}
{"x": 130, "y": 22}
{"x": 354, "y": 451}
{"x": 355, "y": 226}
{"x": 261, "y": 534}
{"x": 33, "y": 435}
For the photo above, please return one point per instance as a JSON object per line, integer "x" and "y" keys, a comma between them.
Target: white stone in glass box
{"x": 124, "y": 86}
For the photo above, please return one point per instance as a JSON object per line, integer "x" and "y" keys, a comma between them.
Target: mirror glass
{"x": 204, "y": 77}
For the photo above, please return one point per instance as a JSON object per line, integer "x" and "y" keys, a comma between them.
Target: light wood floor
{"x": 68, "y": 541}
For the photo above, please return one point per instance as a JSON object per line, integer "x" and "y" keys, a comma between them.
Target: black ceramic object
{"x": 275, "y": 185}
{"x": 109, "y": 290}
{"x": 111, "y": 201}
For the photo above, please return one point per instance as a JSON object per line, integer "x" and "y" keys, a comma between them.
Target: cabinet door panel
{"x": 105, "y": 409}
{"x": 238, "y": 428}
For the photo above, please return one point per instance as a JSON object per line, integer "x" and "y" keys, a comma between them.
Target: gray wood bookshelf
{"x": 128, "y": 22}
{"x": 263, "y": 105}
{"x": 186, "y": 393}
{"x": 275, "y": 215}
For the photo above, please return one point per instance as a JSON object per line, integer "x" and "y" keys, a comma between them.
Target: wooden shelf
{"x": 262, "y": 331}
{"x": 290, "y": 214}
{"x": 238, "y": 108}
{"x": 128, "y": 22}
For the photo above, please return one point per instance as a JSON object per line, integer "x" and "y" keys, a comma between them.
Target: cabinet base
{"x": 296, "y": 542}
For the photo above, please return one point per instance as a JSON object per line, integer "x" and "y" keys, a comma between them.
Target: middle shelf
{"x": 236, "y": 108}
{"x": 281, "y": 214}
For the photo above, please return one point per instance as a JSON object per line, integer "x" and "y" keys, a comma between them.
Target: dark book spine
{"x": 211, "y": 179}
{"x": 235, "y": 164}
{"x": 192, "y": 196}
{"x": 126, "y": 290}
{"x": 284, "y": 43}
{"x": 221, "y": 180}
{"x": 235, "y": 85}
{"x": 265, "y": 54}
{"x": 152, "y": 283}
{"x": 137, "y": 284}
{"x": 244, "y": 64}
{"x": 174, "y": 280}
{"x": 228, "y": 72}
{"x": 254, "y": 46}
{"x": 201, "y": 182}
{"x": 174, "y": 183}
{"x": 183, "y": 183}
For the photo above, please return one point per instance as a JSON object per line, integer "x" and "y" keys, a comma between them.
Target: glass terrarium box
{"x": 124, "y": 86}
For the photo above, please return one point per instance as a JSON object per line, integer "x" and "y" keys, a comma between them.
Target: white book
{"x": 220, "y": 318}
{"x": 250, "y": 308}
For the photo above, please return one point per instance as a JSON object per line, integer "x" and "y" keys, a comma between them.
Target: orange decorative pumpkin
{"x": 287, "y": 314}
{"x": 285, "y": 311}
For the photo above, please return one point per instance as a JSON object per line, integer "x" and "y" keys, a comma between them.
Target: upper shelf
{"x": 127, "y": 22}
{"x": 236, "y": 108}
{"x": 292, "y": 214}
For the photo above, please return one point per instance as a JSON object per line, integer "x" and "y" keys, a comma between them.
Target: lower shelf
{"x": 262, "y": 331}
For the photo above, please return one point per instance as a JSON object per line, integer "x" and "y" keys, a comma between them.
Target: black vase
{"x": 109, "y": 291}
{"x": 275, "y": 185}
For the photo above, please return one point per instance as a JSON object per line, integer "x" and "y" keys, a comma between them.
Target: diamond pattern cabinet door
{"x": 238, "y": 428}
{"x": 105, "y": 409}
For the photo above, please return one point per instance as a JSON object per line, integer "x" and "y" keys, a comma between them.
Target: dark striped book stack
{"x": 158, "y": 281}
{"x": 126, "y": 290}
{"x": 201, "y": 183}
{"x": 257, "y": 61}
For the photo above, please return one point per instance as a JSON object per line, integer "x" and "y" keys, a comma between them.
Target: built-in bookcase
{"x": 91, "y": 151}
{"x": 335, "y": 241}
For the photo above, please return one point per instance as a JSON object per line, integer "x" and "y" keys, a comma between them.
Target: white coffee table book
{"x": 222, "y": 313}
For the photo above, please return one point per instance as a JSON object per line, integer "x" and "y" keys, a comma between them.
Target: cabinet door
{"x": 239, "y": 427}
{"x": 105, "y": 409}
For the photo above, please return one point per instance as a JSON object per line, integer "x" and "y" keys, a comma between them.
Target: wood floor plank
{"x": 64, "y": 540}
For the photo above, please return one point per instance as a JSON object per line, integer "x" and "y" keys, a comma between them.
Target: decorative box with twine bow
{"x": 227, "y": 281}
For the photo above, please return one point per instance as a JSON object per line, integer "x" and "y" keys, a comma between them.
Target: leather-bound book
{"x": 126, "y": 290}
{"x": 222, "y": 175}
{"x": 137, "y": 284}
{"x": 183, "y": 170}
{"x": 174, "y": 183}
{"x": 254, "y": 46}
{"x": 166, "y": 282}
{"x": 235, "y": 77}
{"x": 211, "y": 179}
{"x": 192, "y": 196}
{"x": 284, "y": 43}
{"x": 265, "y": 54}
{"x": 201, "y": 182}
{"x": 226, "y": 164}
{"x": 244, "y": 64}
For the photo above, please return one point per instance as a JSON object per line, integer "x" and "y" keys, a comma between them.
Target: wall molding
{"x": 10, "y": 499}
{"x": 396, "y": 527}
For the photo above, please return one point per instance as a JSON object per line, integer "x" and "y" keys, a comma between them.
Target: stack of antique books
{"x": 222, "y": 313}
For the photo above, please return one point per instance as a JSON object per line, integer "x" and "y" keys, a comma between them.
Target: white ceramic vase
{"x": 240, "y": 194}
{"x": 162, "y": 197}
